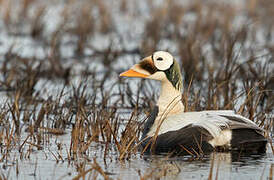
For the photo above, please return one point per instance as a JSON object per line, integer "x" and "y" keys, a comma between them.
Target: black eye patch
{"x": 159, "y": 59}
{"x": 146, "y": 65}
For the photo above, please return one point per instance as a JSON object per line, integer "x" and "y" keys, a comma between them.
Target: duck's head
{"x": 160, "y": 66}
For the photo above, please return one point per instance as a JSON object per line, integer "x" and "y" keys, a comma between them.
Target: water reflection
{"x": 225, "y": 165}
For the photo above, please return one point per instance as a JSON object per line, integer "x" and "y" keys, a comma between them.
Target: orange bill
{"x": 132, "y": 73}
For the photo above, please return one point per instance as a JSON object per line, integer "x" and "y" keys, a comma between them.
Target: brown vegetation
{"x": 225, "y": 52}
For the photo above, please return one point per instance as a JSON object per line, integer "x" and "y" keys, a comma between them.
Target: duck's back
{"x": 201, "y": 132}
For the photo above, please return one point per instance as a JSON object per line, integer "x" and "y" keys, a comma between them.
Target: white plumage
{"x": 162, "y": 60}
{"x": 213, "y": 121}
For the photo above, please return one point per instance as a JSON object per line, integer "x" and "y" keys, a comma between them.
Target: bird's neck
{"x": 169, "y": 102}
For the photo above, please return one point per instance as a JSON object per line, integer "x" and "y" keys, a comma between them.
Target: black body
{"x": 194, "y": 140}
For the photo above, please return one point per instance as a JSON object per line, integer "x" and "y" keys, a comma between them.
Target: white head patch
{"x": 162, "y": 60}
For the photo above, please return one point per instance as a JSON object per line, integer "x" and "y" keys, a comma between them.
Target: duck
{"x": 169, "y": 129}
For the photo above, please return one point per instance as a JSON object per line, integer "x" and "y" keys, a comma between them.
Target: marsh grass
{"x": 225, "y": 66}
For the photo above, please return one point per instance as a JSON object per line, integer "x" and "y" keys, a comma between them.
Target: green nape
{"x": 174, "y": 75}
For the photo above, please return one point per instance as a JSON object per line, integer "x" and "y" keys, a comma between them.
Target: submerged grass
{"x": 225, "y": 52}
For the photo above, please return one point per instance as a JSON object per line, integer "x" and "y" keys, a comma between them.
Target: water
{"x": 42, "y": 164}
{"x": 52, "y": 160}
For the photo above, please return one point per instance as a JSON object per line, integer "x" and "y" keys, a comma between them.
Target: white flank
{"x": 223, "y": 139}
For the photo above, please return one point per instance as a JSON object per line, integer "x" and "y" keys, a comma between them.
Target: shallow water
{"x": 41, "y": 164}
{"x": 52, "y": 161}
